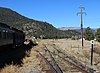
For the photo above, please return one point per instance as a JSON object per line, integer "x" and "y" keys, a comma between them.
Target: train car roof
{"x": 16, "y": 30}
{"x": 4, "y": 25}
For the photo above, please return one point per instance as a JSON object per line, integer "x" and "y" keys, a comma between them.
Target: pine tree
{"x": 88, "y": 34}
{"x": 98, "y": 35}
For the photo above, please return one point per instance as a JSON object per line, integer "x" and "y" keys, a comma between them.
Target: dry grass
{"x": 9, "y": 69}
{"x": 73, "y": 48}
{"x": 97, "y": 48}
{"x": 97, "y": 43}
{"x": 86, "y": 54}
{"x": 31, "y": 56}
{"x": 13, "y": 68}
{"x": 27, "y": 60}
{"x": 70, "y": 47}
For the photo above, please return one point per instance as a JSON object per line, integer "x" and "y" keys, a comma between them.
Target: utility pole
{"x": 81, "y": 22}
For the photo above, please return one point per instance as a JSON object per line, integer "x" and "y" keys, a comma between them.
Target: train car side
{"x": 18, "y": 37}
{"x": 6, "y": 35}
{"x": 10, "y": 36}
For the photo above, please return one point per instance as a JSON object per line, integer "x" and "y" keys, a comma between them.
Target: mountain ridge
{"x": 78, "y": 29}
{"x": 32, "y": 27}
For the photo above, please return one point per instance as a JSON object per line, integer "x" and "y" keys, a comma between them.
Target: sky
{"x": 59, "y": 13}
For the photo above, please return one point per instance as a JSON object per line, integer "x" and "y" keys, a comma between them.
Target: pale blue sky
{"x": 60, "y": 13}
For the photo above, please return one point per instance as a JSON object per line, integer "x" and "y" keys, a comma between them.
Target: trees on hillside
{"x": 98, "y": 35}
{"x": 88, "y": 34}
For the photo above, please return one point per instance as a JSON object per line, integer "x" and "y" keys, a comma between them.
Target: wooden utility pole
{"x": 81, "y": 22}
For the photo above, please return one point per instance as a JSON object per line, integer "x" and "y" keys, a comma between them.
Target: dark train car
{"x": 18, "y": 37}
{"x": 6, "y": 35}
{"x": 10, "y": 36}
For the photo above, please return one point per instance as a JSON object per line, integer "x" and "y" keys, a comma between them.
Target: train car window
{"x": 4, "y": 34}
{"x": 3, "y": 30}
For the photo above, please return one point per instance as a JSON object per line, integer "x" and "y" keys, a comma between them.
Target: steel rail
{"x": 58, "y": 69}
{"x": 78, "y": 64}
{"x": 80, "y": 69}
{"x": 71, "y": 58}
{"x": 51, "y": 66}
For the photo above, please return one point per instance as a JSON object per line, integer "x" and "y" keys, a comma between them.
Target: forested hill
{"x": 32, "y": 27}
{"x": 12, "y": 18}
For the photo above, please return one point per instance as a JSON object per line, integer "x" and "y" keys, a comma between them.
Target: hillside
{"x": 12, "y": 18}
{"x": 33, "y": 27}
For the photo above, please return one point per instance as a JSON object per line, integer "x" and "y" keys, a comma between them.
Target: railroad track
{"x": 53, "y": 67}
{"x": 69, "y": 59}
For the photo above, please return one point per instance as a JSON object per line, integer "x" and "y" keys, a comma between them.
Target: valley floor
{"x": 33, "y": 63}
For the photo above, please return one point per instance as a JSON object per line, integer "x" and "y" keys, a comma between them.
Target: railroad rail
{"x": 67, "y": 58}
{"x": 57, "y": 66}
{"x": 51, "y": 66}
{"x": 74, "y": 62}
{"x": 55, "y": 69}
{"x": 70, "y": 60}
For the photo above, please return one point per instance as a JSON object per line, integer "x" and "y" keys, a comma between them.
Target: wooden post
{"x": 92, "y": 43}
{"x": 91, "y": 54}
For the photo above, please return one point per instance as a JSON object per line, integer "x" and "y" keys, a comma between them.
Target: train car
{"x": 18, "y": 37}
{"x": 6, "y": 35}
{"x": 10, "y": 36}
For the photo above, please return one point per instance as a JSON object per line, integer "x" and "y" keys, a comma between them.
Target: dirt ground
{"x": 33, "y": 63}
